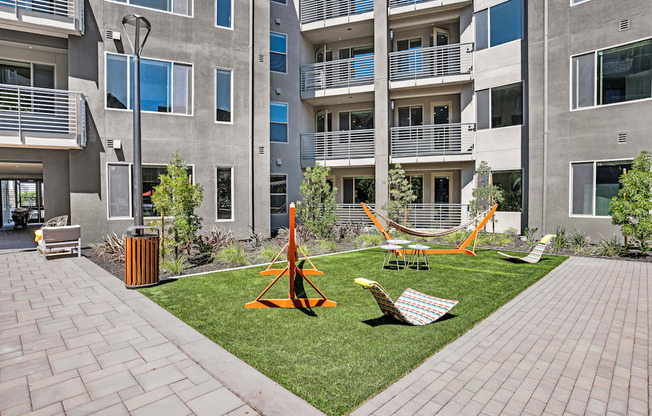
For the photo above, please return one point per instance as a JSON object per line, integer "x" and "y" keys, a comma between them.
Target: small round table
{"x": 419, "y": 252}
{"x": 391, "y": 249}
{"x": 399, "y": 242}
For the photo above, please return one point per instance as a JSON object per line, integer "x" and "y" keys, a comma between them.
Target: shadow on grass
{"x": 386, "y": 320}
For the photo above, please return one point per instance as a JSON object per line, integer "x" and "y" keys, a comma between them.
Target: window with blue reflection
{"x": 506, "y": 22}
{"x": 165, "y": 5}
{"x": 155, "y": 86}
{"x": 117, "y": 88}
{"x": 278, "y": 52}
{"x": 223, "y": 10}
{"x": 223, "y": 95}
{"x": 278, "y": 122}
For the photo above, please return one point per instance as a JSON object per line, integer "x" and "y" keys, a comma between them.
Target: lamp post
{"x": 139, "y": 22}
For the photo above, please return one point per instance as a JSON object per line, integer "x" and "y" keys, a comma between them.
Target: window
{"x": 358, "y": 189}
{"x": 224, "y": 193}
{"x": 417, "y": 187}
{"x": 223, "y": 96}
{"x": 614, "y": 75}
{"x": 503, "y": 105}
{"x": 279, "y": 1}
{"x": 223, "y": 12}
{"x": 410, "y": 116}
{"x": 278, "y": 122}
{"x": 511, "y": 183}
{"x": 165, "y": 87}
{"x": 356, "y": 120}
{"x": 594, "y": 184}
{"x": 278, "y": 52}
{"x": 182, "y": 7}
{"x": 26, "y": 74}
{"x": 574, "y": 2}
{"x": 278, "y": 193}
{"x": 499, "y": 24}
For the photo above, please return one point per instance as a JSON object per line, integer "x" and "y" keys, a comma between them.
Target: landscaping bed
{"x": 336, "y": 358}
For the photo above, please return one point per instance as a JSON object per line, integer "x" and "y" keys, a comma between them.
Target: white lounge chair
{"x": 535, "y": 255}
{"x": 56, "y": 239}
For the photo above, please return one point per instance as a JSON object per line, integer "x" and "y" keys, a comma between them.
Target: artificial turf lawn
{"x": 336, "y": 358}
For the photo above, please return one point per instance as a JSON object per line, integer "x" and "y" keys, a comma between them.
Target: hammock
{"x": 430, "y": 233}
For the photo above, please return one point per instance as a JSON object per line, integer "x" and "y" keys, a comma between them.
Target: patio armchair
{"x": 57, "y": 239}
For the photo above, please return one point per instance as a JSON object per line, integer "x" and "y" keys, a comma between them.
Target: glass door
{"x": 444, "y": 135}
{"x": 442, "y": 56}
{"x": 441, "y": 192}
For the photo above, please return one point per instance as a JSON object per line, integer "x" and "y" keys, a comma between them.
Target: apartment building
{"x": 66, "y": 119}
{"x": 590, "y": 71}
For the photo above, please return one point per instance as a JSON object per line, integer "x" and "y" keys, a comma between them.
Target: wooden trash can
{"x": 141, "y": 257}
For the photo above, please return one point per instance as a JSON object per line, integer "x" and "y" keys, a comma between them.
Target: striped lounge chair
{"x": 411, "y": 307}
{"x": 535, "y": 255}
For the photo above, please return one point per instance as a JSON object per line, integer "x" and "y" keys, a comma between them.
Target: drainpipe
{"x": 251, "y": 114}
{"x": 545, "y": 116}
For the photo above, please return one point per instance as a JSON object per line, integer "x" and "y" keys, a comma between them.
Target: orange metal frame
{"x": 292, "y": 249}
{"x": 460, "y": 249}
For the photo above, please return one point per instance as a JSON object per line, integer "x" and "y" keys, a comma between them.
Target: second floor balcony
{"x": 338, "y": 148}
{"x": 420, "y": 215}
{"x": 40, "y": 117}
{"x": 343, "y": 76}
{"x": 345, "y": 10}
{"x": 433, "y": 143}
{"x": 52, "y": 17}
{"x": 404, "y": 6}
{"x": 433, "y": 65}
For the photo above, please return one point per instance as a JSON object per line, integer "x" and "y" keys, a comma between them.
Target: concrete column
{"x": 382, "y": 112}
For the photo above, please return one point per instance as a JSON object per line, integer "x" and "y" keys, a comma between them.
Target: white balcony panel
{"x": 339, "y": 148}
{"x": 38, "y": 117}
{"x": 50, "y": 17}
{"x": 437, "y": 216}
{"x": 344, "y": 76}
{"x": 405, "y": 6}
{"x": 430, "y": 66}
{"x": 433, "y": 143}
{"x": 340, "y": 11}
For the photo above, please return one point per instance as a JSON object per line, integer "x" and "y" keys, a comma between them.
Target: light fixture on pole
{"x": 139, "y": 22}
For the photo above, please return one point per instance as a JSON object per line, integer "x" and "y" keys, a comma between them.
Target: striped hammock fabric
{"x": 411, "y": 307}
{"x": 535, "y": 255}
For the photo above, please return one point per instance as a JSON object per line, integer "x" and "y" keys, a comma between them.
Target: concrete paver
{"x": 576, "y": 342}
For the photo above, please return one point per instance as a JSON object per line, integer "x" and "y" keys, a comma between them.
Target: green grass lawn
{"x": 336, "y": 358}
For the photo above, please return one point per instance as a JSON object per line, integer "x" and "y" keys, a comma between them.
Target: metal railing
{"x": 436, "y": 61}
{"x": 338, "y": 74}
{"x": 353, "y": 213}
{"x": 338, "y": 145}
{"x": 434, "y": 140}
{"x": 399, "y": 3}
{"x": 316, "y": 10}
{"x": 73, "y": 9}
{"x": 437, "y": 216}
{"x": 42, "y": 112}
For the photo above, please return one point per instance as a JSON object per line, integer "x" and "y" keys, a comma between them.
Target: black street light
{"x": 139, "y": 22}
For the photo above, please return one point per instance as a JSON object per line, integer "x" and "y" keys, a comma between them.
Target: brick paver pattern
{"x": 577, "y": 343}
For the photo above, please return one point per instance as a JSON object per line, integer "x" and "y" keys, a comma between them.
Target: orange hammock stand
{"x": 292, "y": 253}
{"x": 460, "y": 249}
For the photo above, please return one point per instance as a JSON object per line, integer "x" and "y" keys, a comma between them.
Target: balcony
{"x": 344, "y": 76}
{"x": 338, "y": 148}
{"x": 437, "y": 216}
{"x": 434, "y": 143}
{"x": 321, "y": 13}
{"x": 38, "y": 117}
{"x": 448, "y": 64}
{"x": 353, "y": 213}
{"x": 50, "y": 17}
{"x": 406, "y": 6}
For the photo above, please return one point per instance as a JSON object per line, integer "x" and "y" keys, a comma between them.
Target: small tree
{"x": 631, "y": 208}
{"x": 318, "y": 211}
{"x": 400, "y": 195}
{"x": 176, "y": 196}
{"x": 485, "y": 194}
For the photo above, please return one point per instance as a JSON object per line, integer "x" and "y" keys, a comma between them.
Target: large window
{"x": 165, "y": 87}
{"x": 278, "y": 52}
{"x": 358, "y": 189}
{"x": 182, "y": 7}
{"x": 223, "y": 95}
{"x": 594, "y": 184}
{"x": 278, "y": 122}
{"x": 278, "y": 185}
{"x": 499, "y": 24}
{"x": 416, "y": 181}
{"x": 500, "y": 106}
{"x": 356, "y": 120}
{"x": 224, "y": 13}
{"x": 614, "y": 75}
{"x": 224, "y": 193}
{"x": 511, "y": 183}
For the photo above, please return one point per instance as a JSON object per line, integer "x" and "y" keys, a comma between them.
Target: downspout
{"x": 544, "y": 205}
{"x": 251, "y": 114}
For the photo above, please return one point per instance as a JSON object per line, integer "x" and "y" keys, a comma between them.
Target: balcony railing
{"x": 316, "y": 10}
{"x": 399, "y": 3}
{"x": 41, "y": 116}
{"x": 353, "y": 213}
{"x": 342, "y": 73}
{"x": 59, "y": 10}
{"x": 435, "y": 140}
{"x": 344, "y": 146}
{"x": 437, "y": 216}
{"x": 436, "y": 61}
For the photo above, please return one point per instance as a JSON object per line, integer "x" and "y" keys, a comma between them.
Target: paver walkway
{"x": 577, "y": 342}
{"x": 74, "y": 340}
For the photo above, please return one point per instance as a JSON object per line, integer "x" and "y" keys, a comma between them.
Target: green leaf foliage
{"x": 318, "y": 211}
{"x": 401, "y": 195}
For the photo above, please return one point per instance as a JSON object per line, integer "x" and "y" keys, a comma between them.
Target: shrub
{"x": 400, "y": 195}
{"x": 267, "y": 253}
{"x": 324, "y": 246}
{"x": 318, "y": 211}
{"x": 609, "y": 247}
{"x": 579, "y": 242}
{"x": 111, "y": 247}
{"x": 175, "y": 265}
{"x": 485, "y": 194}
{"x": 217, "y": 239}
{"x": 632, "y": 208}
{"x": 531, "y": 239}
{"x": 370, "y": 240}
{"x": 455, "y": 238}
{"x": 233, "y": 255}
{"x": 561, "y": 240}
